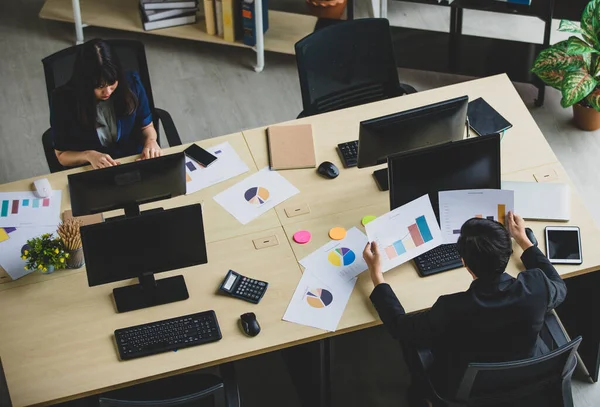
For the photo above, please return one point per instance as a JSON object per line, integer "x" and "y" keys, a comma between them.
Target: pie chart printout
{"x": 257, "y": 195}
{"x": 341, "y": 257}
{"x": 319, "y": 298}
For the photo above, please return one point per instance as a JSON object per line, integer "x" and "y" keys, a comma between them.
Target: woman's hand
{"x": 151, "y": 150}
{"x": 373, "y": 260}
{"x": 516, "y": 227}
{"x": 100, "y": 160}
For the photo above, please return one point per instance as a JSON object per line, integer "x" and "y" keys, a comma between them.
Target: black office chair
{"x": 58, "y": 69}
{"x": 4, "y": 396}
{"x": 540, "y": 381}
{"x": 187, "y": 390}
{"x": 347, "y": 64}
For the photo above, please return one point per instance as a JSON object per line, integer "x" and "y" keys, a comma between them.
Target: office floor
{"x": 211, "y": 90}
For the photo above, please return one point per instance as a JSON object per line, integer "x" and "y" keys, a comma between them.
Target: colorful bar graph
{"x": 501, "y": 213}
{"x": 424, "y": 229}
{"x": 25, "y": 202}
{"x": 415, "y": 235}
{"x": 15, "y": 207}
{"x": 36, "y": 203}
{"x": 47, "y": 202}
{"x": 4, "y": 210}
{"x": 400, "y": 249}
{"x": 190, "y": 166}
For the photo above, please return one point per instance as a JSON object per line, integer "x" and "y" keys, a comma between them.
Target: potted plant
{"x": 333, "y": 9}
{"x": 45, "y": 253}
{"x": 572, "y": 66}
{"x": 71, "y": 239}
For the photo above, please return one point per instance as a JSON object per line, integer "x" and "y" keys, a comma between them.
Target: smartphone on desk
{"x": 563, "y": 245}
{"x": 200, "y": 155}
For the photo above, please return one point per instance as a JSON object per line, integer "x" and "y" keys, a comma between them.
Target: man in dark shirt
{"x": 498, "y": 318}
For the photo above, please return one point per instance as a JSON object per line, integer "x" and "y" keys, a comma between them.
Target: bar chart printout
{"x": 456, "y": 207}
{"x": 24, "y": 209}
{"x": 405, "y": 233}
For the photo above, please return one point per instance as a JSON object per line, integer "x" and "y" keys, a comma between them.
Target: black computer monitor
{"x": 409, "y": 130}
{"x": 472, "y": 163}
{"x": 141, "y": 246}
{"x": 127, "y": 186}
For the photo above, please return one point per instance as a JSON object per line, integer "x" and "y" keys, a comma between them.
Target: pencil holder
{"x": 75, "y": 259}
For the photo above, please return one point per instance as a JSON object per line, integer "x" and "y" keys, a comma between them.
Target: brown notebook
{"x": 291, "y": 147}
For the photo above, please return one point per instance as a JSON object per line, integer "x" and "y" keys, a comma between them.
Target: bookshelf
{"x": 285, "y": 29}
{"x": 457, "y": 53}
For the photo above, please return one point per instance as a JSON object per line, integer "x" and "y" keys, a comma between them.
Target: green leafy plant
{"x": 44, "y": 253}
{"x": 572, "y": 66}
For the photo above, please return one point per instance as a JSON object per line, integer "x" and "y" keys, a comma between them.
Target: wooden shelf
{"x": 285, "y": 29}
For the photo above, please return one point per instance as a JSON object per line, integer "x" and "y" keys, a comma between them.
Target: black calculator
{"x": 243, "y": 288}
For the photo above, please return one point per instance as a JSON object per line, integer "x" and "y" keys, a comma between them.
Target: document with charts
{"x": 405, "y": 233}
{"x": 456, "y": 207}
{"x": 318, "y": 303}
{"x": 19, "y": 209}
{"x": 339, "y": 259}
{"x": 255, "y": 195}
{"x": 228, "y": 165}
{"x": 12, "y": 241}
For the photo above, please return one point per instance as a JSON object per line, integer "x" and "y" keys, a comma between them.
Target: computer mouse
{"x": 531, "y": 236}
{"x": 328, "y": 170}
{"x": 42, "y": 188}
{"x": 249, "y": 324}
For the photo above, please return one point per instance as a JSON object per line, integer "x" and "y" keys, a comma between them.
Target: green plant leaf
{"x": 552, "y": 78}
{"x": 570, "y": 26}
{"x": 594, "y": 99}
{"x": 555, "y": 58}
{"x": 576, "y": 86}
{"x": 588, "y": 25}
{"x": 576, "y": 46}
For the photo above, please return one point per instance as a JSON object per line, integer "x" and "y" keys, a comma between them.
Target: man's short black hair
{"x": 485, "y": 247}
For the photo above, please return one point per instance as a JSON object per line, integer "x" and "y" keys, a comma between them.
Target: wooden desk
{"x": 56, "y": 337}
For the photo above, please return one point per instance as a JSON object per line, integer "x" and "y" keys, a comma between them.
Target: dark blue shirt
{"x": 69, "y": 135}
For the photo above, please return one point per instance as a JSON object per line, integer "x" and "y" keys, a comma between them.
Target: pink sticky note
{"x": 302, "y": 237}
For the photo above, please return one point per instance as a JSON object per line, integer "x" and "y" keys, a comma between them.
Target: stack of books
{"x": 234, "y": 20}
{"x": 158, "y": 14}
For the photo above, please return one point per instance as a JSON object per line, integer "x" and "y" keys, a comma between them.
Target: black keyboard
{"x": 443, "y": 258}
{"x": 166, "y": 335}
{"x": 349, "y": 153}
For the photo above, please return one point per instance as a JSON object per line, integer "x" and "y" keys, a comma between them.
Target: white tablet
{"x": 563, "y": 245}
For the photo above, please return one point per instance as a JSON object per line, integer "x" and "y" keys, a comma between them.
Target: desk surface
{"x": 56, "y": 338}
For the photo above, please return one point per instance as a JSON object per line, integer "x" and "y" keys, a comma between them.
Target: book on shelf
{"x": 168, "y": 4}
{"x": 209, "y": 16}
{"x": 156, "y": 15}
{"x": 189, "y": 18}
{"x": 219, "y": 16}
{"x": 232, "y": 20}
{"x": 248, "y": 20}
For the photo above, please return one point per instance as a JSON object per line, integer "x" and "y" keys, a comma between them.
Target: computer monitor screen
{"x": 411, "y": 129}
{"x": 152, "y": 243}
{"x": 467, "y": 164}
{"x": 127, "y": 185}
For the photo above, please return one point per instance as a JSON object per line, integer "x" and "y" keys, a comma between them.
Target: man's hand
{"x": 373, "y": 260}
{"x": 516, "y": 227}
{"x": 151, "y": 150}
{"x": 100, "y": 160}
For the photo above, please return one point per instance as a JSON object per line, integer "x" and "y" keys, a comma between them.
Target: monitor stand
{"x": 381, "y": 179}
{"x": 150, "y": 292}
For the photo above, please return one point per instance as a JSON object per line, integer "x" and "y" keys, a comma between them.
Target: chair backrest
{"x": 4, "y": 396}
{"x": 508, "y": 382}
{"x": 347, "y": 64}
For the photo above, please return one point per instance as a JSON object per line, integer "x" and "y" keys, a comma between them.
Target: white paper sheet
{"x": 11, "y": 242}
{"x": 317, "y": 303}
{"x": 339, "y": 259}
{"x": 228, "y": 165}
{"x": 18, "y": 209}
{"x": 456, "y": 207}
{"x": 255, "y": 195}
{"x": 405, "y": 233}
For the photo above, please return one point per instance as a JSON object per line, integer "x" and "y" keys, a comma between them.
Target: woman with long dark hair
{"x": 102, "y": 113}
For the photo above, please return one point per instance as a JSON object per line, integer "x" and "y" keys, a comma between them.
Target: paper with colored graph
{"x": 339, "y": 259}
{"x": 317, "y": 303}
{"x": 20, "y": 209}
{"x": 456, "y": 207}
{"x": 405, "y": 233}
{"x": 228, "y": 165}
{"x": 11, "y": 241}
{"x": 255, "y": 195}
